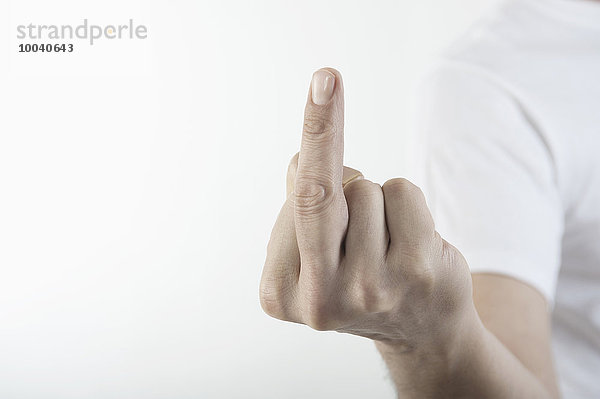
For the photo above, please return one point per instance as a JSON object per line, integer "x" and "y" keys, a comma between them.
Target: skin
{"x": 349, "y": 255}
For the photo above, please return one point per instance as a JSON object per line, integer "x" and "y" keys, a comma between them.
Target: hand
{"x": 348, "y": 255}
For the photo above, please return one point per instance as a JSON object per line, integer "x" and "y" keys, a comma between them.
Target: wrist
{"x": 430, "y": 366}
{"x": 448, "y": 339}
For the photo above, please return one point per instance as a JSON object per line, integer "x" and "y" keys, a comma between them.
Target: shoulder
{"x": 513, "y": 43}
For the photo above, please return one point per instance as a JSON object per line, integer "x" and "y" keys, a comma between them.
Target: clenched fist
{"x": 349, "y": 255}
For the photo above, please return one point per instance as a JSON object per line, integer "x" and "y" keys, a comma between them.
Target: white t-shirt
{"x": 510, "y": 126}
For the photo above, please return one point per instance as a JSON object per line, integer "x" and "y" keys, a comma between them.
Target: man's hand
{"x": 348, "y": 255}
{"x": 356, "y": 257}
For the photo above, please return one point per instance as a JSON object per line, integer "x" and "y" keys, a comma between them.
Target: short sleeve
{"x": 489, "y": 176}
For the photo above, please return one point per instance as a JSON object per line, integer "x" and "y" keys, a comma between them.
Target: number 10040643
{"x": 45, "y": 48}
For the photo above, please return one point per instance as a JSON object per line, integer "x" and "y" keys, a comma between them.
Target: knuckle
{"x": 271, "y": 301}
{"x": 317, "y": 312}
{"x": 316, "y": 123}
{"x": 414, "y": 206}
{"x": 424, "y": 285}
{"x": 425, "y": 278}
{"x": 362, "y": 190}
{"x": 420, "y": 275}
{"x": 403, "y": 188}
{"x": 369, "y": 298}
{"x": 273, "y": 295}
{"x": 313, "y": 195}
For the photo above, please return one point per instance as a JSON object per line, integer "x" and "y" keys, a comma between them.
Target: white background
{"x": 139, "y": 181}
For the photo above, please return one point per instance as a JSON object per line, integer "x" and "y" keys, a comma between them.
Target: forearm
{"x": 475, "y": 365}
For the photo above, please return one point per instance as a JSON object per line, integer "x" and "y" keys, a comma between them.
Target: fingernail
{"x": 323, "y": 83}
